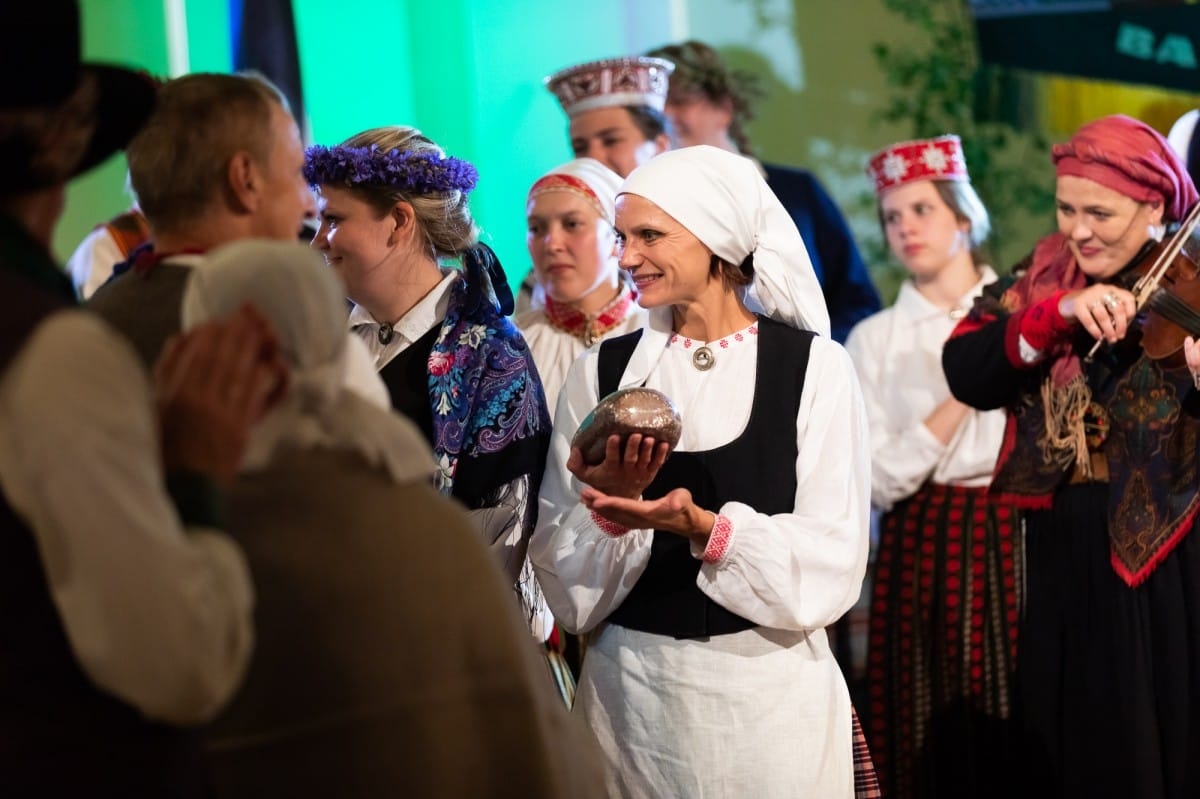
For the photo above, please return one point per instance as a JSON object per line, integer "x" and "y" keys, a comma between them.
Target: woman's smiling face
{"x": 355, "y": 239}
{"x": 1104, "y": 228}
{"x": 667, "y": 263}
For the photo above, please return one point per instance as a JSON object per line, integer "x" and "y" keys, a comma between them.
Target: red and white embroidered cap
{"x": 586, "y": 177}
{"x": 634, "y": 80}
{"x": 940, "y": 158}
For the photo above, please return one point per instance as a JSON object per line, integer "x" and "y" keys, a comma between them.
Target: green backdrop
{"x": 466, "y": 72}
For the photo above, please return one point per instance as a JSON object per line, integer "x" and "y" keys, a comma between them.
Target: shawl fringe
{"x": 1065, "y": 438}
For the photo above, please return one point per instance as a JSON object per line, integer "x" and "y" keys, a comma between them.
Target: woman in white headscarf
{"x": 359, "y": 569}
{"x": 584, "y": 298}
{"x": 569, "y": 216}
{"x": 1185, "y": 141}
{"x": 707, "y": 578}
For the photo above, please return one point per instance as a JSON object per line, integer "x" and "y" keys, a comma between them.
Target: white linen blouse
{"x": 898, "y": 355}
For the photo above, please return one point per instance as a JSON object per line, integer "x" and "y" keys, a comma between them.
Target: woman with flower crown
{"x": 585, "y": 295}
{"x": 942, "y": 643}
{"x": 573, "y": 247}
{"x": 394, "y": 217}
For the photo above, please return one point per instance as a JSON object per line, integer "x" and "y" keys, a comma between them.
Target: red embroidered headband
{"x": 924, "y": 159}
{"x": 560, "y": 182}
{"x": 586, "y": 178}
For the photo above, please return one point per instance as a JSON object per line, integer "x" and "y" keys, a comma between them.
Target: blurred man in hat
{"x": 123, "y": 612}
{"x": 238, "y": 177}
{"x": 710, "y": 103}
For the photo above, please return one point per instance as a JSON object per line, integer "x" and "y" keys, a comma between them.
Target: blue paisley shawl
{"x": 490, "y": 421}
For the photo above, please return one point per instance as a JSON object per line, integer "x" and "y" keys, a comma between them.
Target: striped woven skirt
{"x": 942, "y": 644}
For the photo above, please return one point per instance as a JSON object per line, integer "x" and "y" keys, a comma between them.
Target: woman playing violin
{"x": 1102, "y": 455}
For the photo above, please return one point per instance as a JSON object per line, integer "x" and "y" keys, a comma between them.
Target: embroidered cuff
{"x": 1026, "y": 352}
{"x": 718, "y": 539}
{"x": 611, "y": 529}
{"x": 1039, "y": 326}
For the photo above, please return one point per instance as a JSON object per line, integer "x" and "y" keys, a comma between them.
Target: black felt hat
{"x": 59, "y": 116}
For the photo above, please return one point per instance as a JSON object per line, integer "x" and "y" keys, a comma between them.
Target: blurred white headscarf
{"x": 1180, "y": 137}
{"x": 586, "y": 178}
{"x": 722, "y": 199}
{"x": 331, "y": 402}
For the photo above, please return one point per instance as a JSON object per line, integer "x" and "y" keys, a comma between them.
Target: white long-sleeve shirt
{"x": 762, "y": 712}
{"x": 794, "y": 571}
{"x": 555, "y": 350}
{"x": 92, "y": 262}
{"x": 898, "y": 355}
{"x": 156, "y": 615}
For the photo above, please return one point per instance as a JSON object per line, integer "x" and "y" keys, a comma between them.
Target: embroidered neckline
{"x": 589, "y": 328}
{"x": 703, "y": 357}
{"x": 678, "y": 340}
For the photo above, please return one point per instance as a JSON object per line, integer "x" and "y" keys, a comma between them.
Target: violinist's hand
{"x": 1191, "y": 352}
{"x": 673, "y": 513}
{"x": 1104, "y": 311}
{"x": 622, "y": 474}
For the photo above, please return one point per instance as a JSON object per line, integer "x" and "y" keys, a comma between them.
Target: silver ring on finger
{"x": 1111, "y": 301}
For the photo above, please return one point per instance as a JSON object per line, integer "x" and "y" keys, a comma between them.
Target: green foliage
{"x": 940, "y": 87}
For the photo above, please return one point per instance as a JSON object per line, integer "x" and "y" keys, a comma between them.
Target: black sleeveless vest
{"x": 757, "y": 468}
{"x": 147, "y": 309}
{"x": 407, "y": 379}
{"x": 59, "y": 734}
{"x": 481, "y": 476}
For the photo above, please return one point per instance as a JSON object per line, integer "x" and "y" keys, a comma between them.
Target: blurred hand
{"x": 213, "y": 384}
{"x": 622, "y": 474}
{"x": 1191, "y": 353}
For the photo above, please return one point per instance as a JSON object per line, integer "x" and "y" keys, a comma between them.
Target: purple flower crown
{"x": 420, "y": 172}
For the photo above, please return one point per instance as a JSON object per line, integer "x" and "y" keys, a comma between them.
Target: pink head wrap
{"x": 1130, "y": 157}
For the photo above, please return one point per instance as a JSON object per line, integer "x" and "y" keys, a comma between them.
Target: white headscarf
{"x": 599, "y": 189}
{"x": 1180, "y": 137}
{"x": 722, "y": 199}
{"x": 327, "y": 404}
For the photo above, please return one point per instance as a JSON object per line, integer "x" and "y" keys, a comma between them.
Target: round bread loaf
{"x": 624, "y": 412}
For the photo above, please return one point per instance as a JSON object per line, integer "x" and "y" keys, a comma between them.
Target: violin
{"x": 1166, "y": 287}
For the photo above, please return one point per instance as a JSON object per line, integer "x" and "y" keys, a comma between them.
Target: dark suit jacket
{"x": 849, "y": 292}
